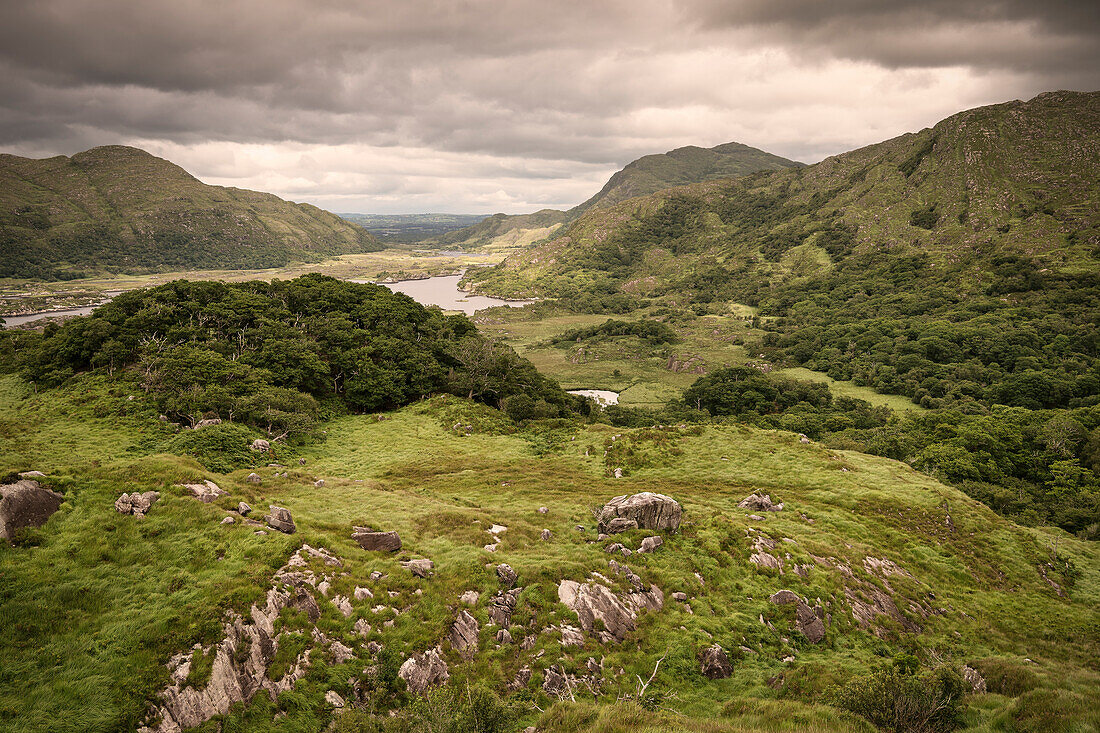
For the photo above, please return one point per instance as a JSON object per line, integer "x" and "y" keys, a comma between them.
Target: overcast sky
{"x": 481, "y": 106}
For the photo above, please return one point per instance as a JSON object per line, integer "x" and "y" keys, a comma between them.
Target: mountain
{"x": 645, "y": 175}
{"x": 121, "y": 209}
{"x": 959, "y": 265}
{"x": 679, "y": 167}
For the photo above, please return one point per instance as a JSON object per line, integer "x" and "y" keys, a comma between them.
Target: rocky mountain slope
{"x": 757, "y": 577}
{"x": 645, "y": 175}
{"x": 1016, "y": 178}
{"x": 120, "y": 209}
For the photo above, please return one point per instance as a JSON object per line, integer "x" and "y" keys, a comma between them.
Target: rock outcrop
{"x": 649, "y": 544}
{"x": 421, "y": 568}
{"x": 135, "y": 503}
{"x": 464, "y": 633}
{"x": 603, "y": 613}
{"x": 260, "y": 445}
{"x": 760, "y": 503}
{"x": 280, "y": 519}
{"x": 640, "y": 511}
{"x": 715, "y": 663}
{"x": 421, "y": 671}
{"x": 206, "y": 492}
{"x": 501, "y": 607}
{"x": 25, "y": 504}
{"x": 376, "y": 541}
{"x": 242, "y": 658}
{"x": 807, "y": 620}
{"x": 506, "y": 575}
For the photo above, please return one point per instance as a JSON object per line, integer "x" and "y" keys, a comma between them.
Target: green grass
{"x": 848, "y": 389}
{"x": 93, "y": 612}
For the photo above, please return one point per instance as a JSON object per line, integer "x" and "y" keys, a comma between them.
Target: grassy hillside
{"x": 120, "y": 209}
{"x": 680, "y": 167}
{"x": 956, "y": 264}
{"x": 95, "y": 603}
{"x": 646, "y": 175}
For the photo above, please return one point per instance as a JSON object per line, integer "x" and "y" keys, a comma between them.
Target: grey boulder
{"x": 376, "y": 541}
{"x": 26, "y": 504}
{"x": 646, "y": 510}
{"x": 715, "y": 663}
{"x": 280, "y": 519}
{"x": 421, "y": 671}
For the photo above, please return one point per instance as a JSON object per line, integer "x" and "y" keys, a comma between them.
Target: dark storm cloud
{"x": 1022, "y": 35}
{"x": 506, "y": 102}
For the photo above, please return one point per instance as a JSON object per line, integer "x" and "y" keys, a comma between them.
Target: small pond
{"x": 603, "y": 397}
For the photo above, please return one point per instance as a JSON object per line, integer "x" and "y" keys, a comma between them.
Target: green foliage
{"x": 653, "y": 332}
{"x": 150, "y": 216}
{"x": 896, "y": 699}
{"x": 741, "y": 390}
{"x": 221, "y": 448}
{"x": 1006, "y": 677}
{"x": 266, "y": 354}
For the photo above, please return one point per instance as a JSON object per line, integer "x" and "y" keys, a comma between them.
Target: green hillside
{"x": 680, "y": 167}
{"x": 914, "y": 579}
{"x": 645, "y": 175}
{"x": 120, "y": 209}
{"x": 954, "y": 265}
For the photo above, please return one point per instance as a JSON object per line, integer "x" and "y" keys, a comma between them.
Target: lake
{"x": 441, "y": 291}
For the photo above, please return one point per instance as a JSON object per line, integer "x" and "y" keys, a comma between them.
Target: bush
{"x": 1006, "y": 677}
{"x": 895, "y": 701}
{"x": 220, "y": 448}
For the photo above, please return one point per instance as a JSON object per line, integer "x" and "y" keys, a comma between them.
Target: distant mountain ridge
{"x": 646, "y": 175}
{"x": 121, "y": 209}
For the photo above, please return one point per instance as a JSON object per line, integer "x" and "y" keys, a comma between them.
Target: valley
{"x": 850, "y": 479}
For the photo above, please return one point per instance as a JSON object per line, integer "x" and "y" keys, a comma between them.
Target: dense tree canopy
{"x": 273, "y": 354}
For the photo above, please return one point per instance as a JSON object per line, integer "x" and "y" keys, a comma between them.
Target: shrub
{"x": 896, "y": 701}
{"x": 221, "y": 448}
{"x": 1006, "y": 677}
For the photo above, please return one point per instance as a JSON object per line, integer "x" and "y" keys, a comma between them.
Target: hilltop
{"x": 679, "y": 167}
{"x": 645, "y": 175}
{"x": 120, "y": 209}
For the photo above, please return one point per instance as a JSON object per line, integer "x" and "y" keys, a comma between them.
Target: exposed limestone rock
{"x": 26, "y": 504}
{"x": 318, "y": 484}
{"x": 715, "y": 663}
{"x": 340, "y": 652}
{"x": 32, "y": 474}
{"x": 647, "y": 510}
{"x": 594, "y": 603}
{"x": 619, "y": 524}
{"x": 502, "y": 606}
{"x": 807, "y": 620}
{"x": 506, "y": 575}
{"x": 227, "y": 520}
{"x": 376, "y": 541}
{"x": 543, "y": 510}
{"x": 679, "y": 596}
{"x": 362, "y": 594}
{"x": 803, "y": 439}
{"x": 421, "y": 671}
{"x": 242, "y": 658}
{"x": 464, "y": 633}
{"x": 260, "y": 445}
{"x": 254, "y": 478}
{"x": 649, "y": 544}
{"x": 504, "y": 636}
{"x": 556, "y": 682}
{"x": 343, "y": 604}
{"x": 571, "y": 636}
{"x": 546, "y": 535}
{"x": 243, "y": 509}
{"x": 280, "y": 519}
{"x": 973, "y": 678}
{"x": 469, "y": 597}
{"x": 421, "y": 568}
{"x": 760, "y": 503}
{"x": 362, "y": 628}
{"x": 208, "y": 422}
{"x": 765, "y": 560}
{"x": 135, "y": 503}
{"x": 334, "y": 699}
{"x": 206, "y": 492}
{"x": 869, "y": 601}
